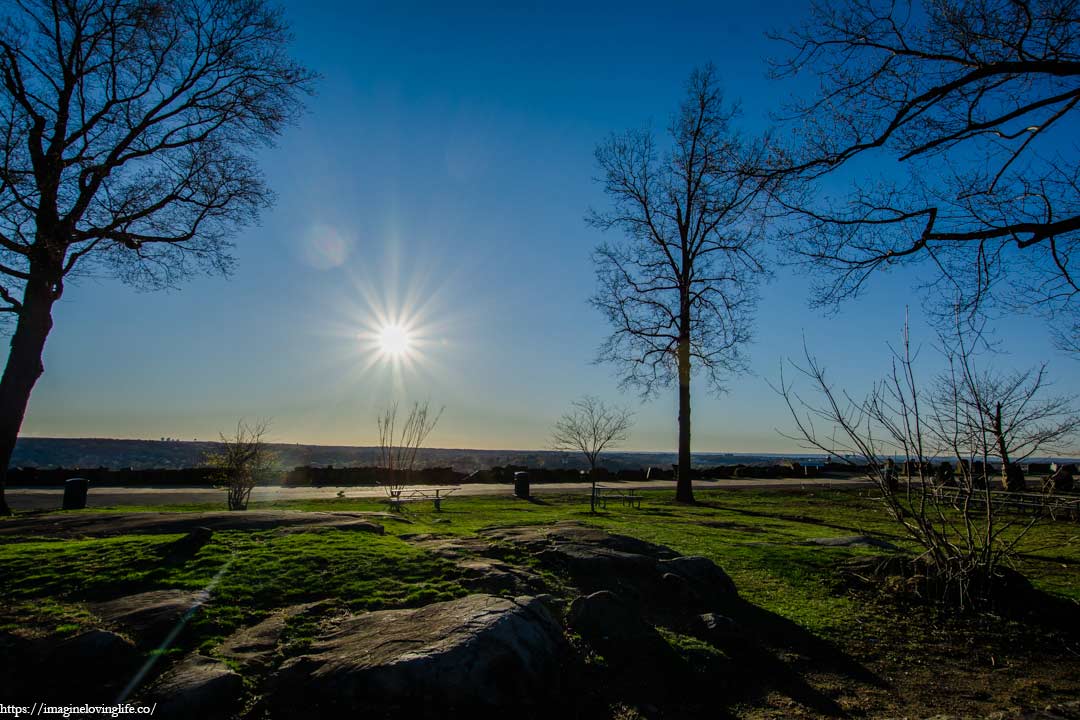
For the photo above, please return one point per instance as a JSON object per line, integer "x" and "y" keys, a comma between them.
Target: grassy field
{"x": 758, "y": 537}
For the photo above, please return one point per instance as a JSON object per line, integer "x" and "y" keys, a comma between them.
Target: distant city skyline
{"x": 439, "y": 181}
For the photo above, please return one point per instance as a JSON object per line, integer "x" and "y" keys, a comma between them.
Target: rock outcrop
{"x": 197, "y": 686}
{"x": 445, "y": 659}
{"x": 150, "y": 618}
{"x": 636, "y": 570}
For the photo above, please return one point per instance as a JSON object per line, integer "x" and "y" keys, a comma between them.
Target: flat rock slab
{"x": 255, "y": 648}
{"x": 542, "y": 537}
{"x": 852, "y": 541}
{"x": 447, "y": 658}
{"x": 150, "y": 617}
{"x": 95, "y": 524}
{"x": 481, "y": 567}
{"x": 197, "y": 686}
{"x": 449, "y": 547}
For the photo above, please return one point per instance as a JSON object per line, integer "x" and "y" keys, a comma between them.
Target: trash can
{"x": 75, "y": 493}
{"x": 521, "y": 484}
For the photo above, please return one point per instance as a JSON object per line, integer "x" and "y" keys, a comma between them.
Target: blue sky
{"x": 441, "y": 176}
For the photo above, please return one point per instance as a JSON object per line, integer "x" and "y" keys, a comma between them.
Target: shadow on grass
{"x": 804, "y": 519}
{"x": 760, "y": 656}
{"x": 766, "y": 638}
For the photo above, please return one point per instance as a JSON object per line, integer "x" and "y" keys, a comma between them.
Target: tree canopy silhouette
{"x": 127, "y": 131}
{"x": 952, "y": 127}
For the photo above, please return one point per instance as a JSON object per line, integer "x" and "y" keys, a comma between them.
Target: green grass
{"x": 249, "y": 573}
{"x": 755, "y": 536}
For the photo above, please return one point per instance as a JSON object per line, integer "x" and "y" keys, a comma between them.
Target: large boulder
{"x": 607, "y": 619}
{"x": 92, "y": 665}
{"x": 594, "y": 559}
{"x": 705, "y": 578}
{"x": 636, "y": 570}
{"x": 615, "y": 630}
{"x": 197, "y": 686}
{"x": 449, "y": 658}
{"x": 539, "y": 538}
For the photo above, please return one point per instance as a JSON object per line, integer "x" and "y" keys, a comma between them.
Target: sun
{"x": 394, "y": 340}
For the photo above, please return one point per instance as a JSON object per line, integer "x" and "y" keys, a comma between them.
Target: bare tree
{"x": 953, "y": 124}
{"x": 243, "y": 461}
{"x": 127, "y": 131}
{"x": 966, "y": 537}
{"x": 399, "y": 444}
{"x": 590, "y": 428}
{"x": 679, "y": 287}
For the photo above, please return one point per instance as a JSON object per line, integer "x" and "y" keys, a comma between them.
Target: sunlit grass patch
{"x": 250, "y": 572}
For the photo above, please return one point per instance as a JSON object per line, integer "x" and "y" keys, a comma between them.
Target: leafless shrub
{"x": 899, "y": 429}
{"x": 399, "y": 444}
{"x": 243, "y": 461}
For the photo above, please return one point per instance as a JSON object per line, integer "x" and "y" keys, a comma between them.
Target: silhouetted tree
{"x": 953, "y": 125}
{"x": 679, "y": 286}
{"x": 127, "y": 129}
{"x": 590, "y": 428}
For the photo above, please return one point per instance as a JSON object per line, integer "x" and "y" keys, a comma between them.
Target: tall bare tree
{"x": 127, "y": 131}
{"x": 590, "y": 428}
{"x": 953, "y": 125}
{"x": 679, "y": 286}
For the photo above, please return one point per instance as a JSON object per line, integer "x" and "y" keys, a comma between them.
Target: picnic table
{"x": 397, "y": 498}
{"x": 1055, "y": 506}
{"x": 628, "y": 496}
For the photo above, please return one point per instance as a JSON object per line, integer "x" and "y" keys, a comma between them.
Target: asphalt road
{"x": 36, "y": 498}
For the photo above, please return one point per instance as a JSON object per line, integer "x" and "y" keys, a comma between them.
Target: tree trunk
{"x": 592, "y": 478}
{"x": 1012, "y": 477}
{"x": 23, "y": 367}
{"x": 684, "y": 490}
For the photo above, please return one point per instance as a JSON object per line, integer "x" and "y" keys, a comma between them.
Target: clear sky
{"x": 440, "y": 177}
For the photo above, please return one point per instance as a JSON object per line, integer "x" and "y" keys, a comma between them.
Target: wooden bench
{"x": 397, "y": 498}
{"x": 629, "y": 496}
